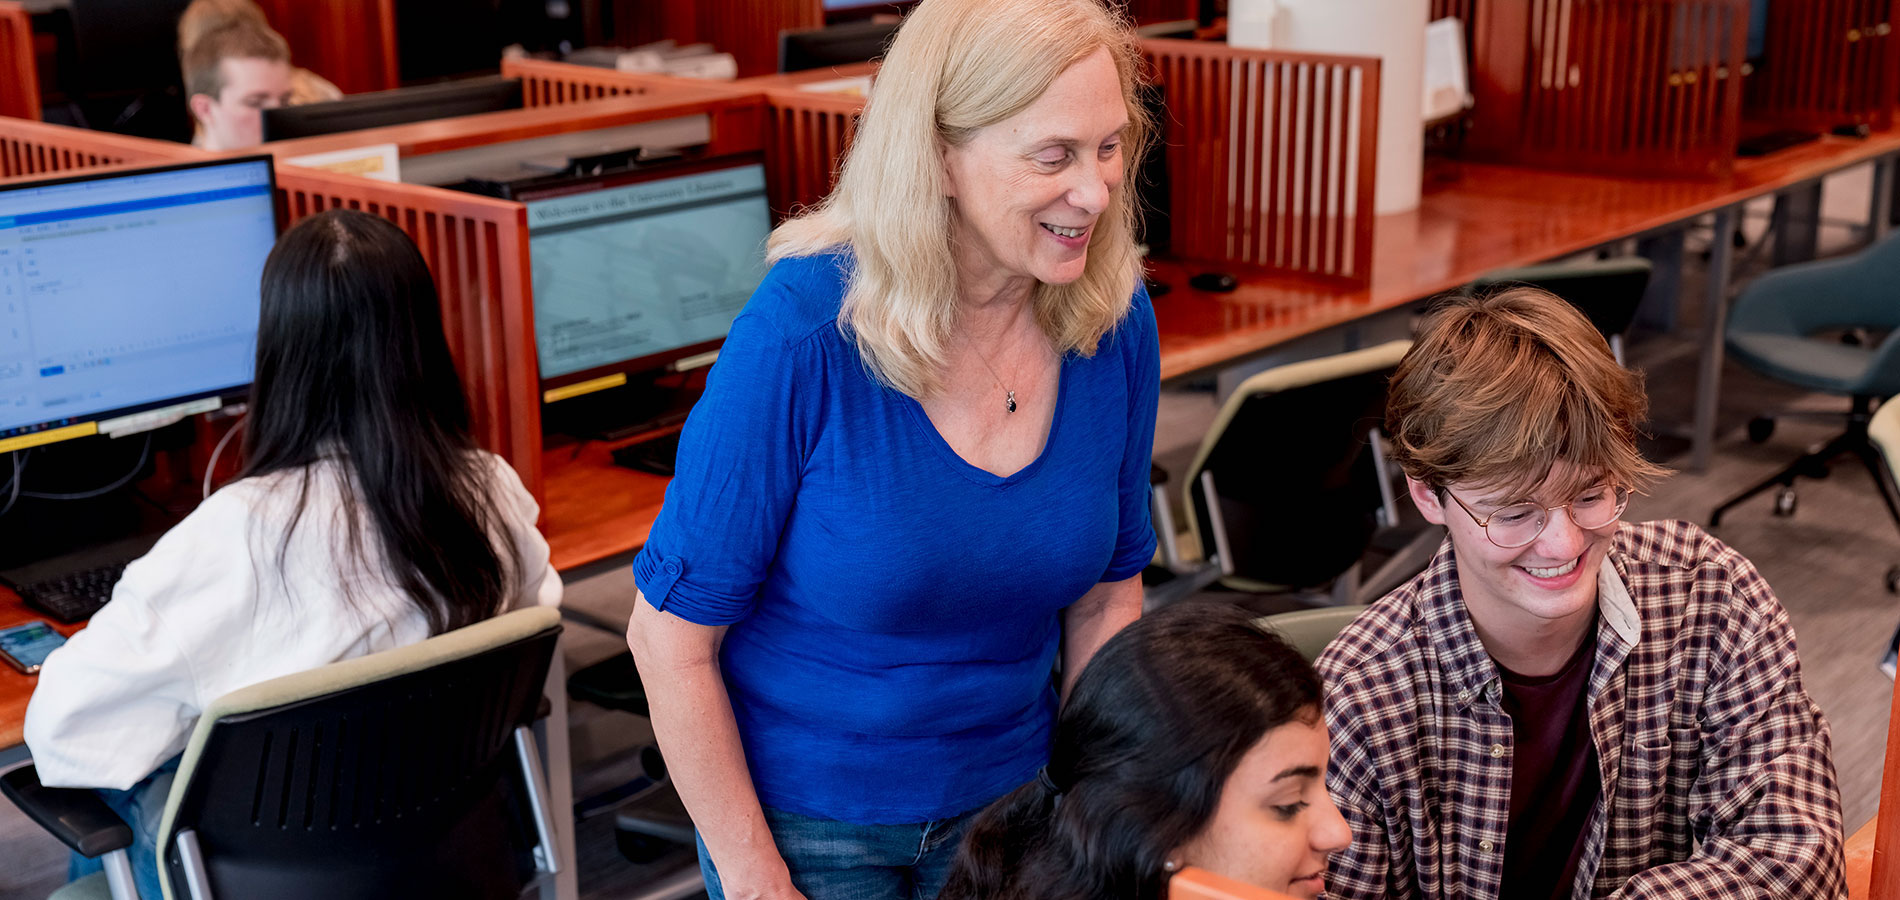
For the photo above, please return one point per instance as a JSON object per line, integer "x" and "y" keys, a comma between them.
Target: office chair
{"x": 407, "y": 773}
{"x": 1291, "y": 486}
{"x": 1782, "y": 327}
{"x": 1607, "y": 291}
{"x": 1310, "y": 630}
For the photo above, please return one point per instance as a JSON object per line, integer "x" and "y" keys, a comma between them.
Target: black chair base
{"x": 1814, "y": 464}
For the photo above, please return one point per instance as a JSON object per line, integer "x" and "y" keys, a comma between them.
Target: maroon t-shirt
{"x": 1554, "y": 780}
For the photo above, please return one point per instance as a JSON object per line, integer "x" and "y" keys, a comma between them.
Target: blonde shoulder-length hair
{"x": 956, "y": 67}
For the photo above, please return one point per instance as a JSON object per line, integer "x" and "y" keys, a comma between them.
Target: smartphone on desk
{"x": 25, "y": 647}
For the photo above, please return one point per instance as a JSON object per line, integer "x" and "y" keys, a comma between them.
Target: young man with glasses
{"x": 1564, "y": 705}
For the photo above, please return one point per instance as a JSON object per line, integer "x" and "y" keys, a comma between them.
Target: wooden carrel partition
{"x": 1626, "y": 86}
{"x": 1270, "y": 157}
{"x": 477, "y": 247}
{"x": 19, "y": 75}
{"x": 350, "y": 42}
{"x": 1273, "y": 170}
{"x": 1827, "y": 63}
{"x": 29, "y": 148}
{"x": 545, "y": 83}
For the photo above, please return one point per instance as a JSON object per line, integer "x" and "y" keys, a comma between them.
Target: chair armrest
{"x": 76, "y": 816}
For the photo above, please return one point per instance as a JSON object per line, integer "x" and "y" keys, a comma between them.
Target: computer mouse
{"x": 1214, "y": 282}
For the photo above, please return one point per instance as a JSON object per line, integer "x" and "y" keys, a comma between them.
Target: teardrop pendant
{"x": 1010, "y": 401}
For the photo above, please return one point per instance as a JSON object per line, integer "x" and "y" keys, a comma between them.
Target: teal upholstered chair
{"x": 407, "y": 773}
{"x": 1786, "y": 325}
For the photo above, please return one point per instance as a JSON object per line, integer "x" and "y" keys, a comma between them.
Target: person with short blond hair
{"x": 232, "y": 74}
{"x": 918, "y": 478}
{"x": 1565, "y": 705}
{"x": 205, "y": 16}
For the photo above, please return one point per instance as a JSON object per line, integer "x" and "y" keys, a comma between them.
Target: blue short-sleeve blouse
{"x": 893, "y": 609}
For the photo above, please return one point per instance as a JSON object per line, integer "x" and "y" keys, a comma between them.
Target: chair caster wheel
{"x": 1785, "y": 502}
{"x": 1893, "y": 580}
{"x": 1760, "y": 429}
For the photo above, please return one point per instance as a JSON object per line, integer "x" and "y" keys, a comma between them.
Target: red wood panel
{"x": 805, "y": 139}
{"x": 35, "y": 149}
{"x": 749, "y": 29}
{"x": 19, "y": 77}
{"x": 545, "y": 83}
{"x": 1271, "y": 156}
{"x": 1885, "y": 881}
{"x": 478, "y": 249}
{"x": 350, "y": 42}
{"x": 1827, "y": 63}
{"x": 1639, "y": 86}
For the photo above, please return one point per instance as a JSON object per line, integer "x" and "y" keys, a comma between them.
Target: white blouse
{"x": 210, "y": 610}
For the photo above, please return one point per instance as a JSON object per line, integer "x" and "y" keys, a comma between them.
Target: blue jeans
{"x": 141, "y": 806}
{"x": 841, "y": 861}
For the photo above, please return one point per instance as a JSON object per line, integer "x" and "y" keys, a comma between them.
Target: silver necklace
{"x": 1009, "y": 396}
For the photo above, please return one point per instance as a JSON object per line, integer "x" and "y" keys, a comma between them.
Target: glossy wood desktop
{"x": 15, "y": 688}
{"x": 1474, "y": 219}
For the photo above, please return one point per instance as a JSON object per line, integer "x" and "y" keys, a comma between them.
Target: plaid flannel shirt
{"x": 1717, "y": 769}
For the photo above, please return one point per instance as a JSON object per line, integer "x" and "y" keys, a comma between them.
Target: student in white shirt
{"x": 364, "y": 519}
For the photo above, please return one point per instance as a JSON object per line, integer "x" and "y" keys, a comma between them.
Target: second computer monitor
{"x": 395, "y": 107}
{"x": 639, "y": 271}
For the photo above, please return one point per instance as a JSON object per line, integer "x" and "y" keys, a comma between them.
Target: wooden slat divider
{"x": 1270, "y": 156}
{"x": 31, "y": 149}
{"x": 1614, "y": 86}
{"x": 1828, "y": 64}
{"x": 478, "y": 249}
{"x": 546, "y": 83}
{"x": 19, "y": 75}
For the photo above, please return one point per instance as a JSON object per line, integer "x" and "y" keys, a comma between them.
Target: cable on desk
{"x": 218, "y": 451}
{"x": 19, "y": 466}
{"x": 144, "y": 454}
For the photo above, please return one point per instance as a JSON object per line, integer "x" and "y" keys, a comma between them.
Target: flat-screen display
{"x": 127, "y": 292}
{"x": 637, "y": 270}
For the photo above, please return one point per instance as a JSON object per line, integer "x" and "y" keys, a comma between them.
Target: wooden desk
{"x": 1488, "y": 217}
{"x": 16, "y": 689}
{"x": 1493, "y": 217}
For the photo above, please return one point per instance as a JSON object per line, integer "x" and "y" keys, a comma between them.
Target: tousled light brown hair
{"x": 235, "y": 39}
{"x": 955, "y": 67}
{"x": 1500, "y": 387}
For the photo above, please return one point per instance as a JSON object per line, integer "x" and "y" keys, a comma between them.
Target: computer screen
{"x": 128, "y": 292}
{"x": 395, "y": 107}
{"x": 641, "y": 269}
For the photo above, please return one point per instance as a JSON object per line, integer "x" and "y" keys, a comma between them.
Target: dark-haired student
{"x": 364, "y": 519}
{"x": 1193, "y": 738}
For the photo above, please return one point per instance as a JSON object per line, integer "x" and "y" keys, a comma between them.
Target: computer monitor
{"x": 411, "y": 104}
{"x": 128, "y": 296}
{"x": 1757, "y": 30}
{"x": 834, "y": 45}
{"x": 641, "y": 273}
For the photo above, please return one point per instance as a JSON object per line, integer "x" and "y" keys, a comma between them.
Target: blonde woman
{"x": 205, "y": 16}
{"x": 918, "y": 478}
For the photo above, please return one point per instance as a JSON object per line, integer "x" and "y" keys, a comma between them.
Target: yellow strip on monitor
{"x": 8, "y": 445}
{"x": 584, "y": 387}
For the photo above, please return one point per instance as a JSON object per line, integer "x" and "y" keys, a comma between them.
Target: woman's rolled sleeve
{"x": 1140, "y": 344}
{"x": 735, "y": 481}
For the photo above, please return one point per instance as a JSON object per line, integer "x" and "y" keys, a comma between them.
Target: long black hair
{"x": 352, "y": 364}
{"x": 1157, "y": 722}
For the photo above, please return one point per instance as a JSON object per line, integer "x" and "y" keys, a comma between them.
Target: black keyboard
{"x": 75, "y": 596}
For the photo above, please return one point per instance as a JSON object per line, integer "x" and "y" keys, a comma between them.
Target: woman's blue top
{"x": 893, "y": 609}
